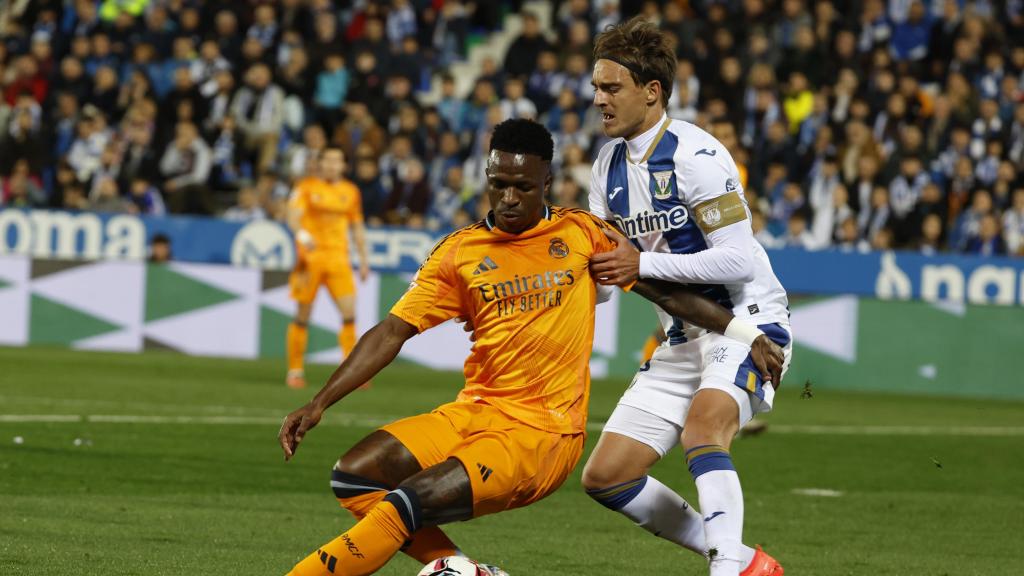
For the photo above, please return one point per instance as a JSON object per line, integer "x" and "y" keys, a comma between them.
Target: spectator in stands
{"x": 968, "y": 225}
{"x": 1013, "y": 224}
{"x": 298, "y": 155}
{"x": 144, "y": 198}
{"x": 21, "y": 189}
{"x": 227, "y": 164}
{"x": 797, "y": 234}
{"x": 186, "y": 165}
{"x": 876, "y": 215}
{"x": 92, "y": 138}
{"x": 359, "y": 127}
{"x": 523, "y": 52}
{"x": 410, "y": 197}
{"x": 515, "y": 104}
{"x": 106, "y": 197}
{"x": 160, "y": 249}
{"x": 246, "y": 208}
{"x": 930, "y": 242}
{"x": 448, "y": 205}
{"x": 258, "y": 109}
{"x": 331, "y": 90}
{"x": 568, "y": 193}
{"x": 988, "y": 241}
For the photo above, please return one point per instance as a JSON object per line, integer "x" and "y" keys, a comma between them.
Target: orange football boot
{"x": 763, "y": 565}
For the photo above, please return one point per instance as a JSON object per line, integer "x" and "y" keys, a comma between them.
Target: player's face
{"x": 623, "y": 103}
{"x": 516, "y": 187}
{"x": 332, "y": 165}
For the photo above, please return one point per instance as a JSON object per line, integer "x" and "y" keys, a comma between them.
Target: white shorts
{"x": 654, "y": 407}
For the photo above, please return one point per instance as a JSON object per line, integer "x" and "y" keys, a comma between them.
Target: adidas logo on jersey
{"x": 485, "y": 266}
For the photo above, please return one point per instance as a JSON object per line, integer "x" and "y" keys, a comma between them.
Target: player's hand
{"x": 467, "y": 325}
{"x": 294, "y": 428}
{"x": 768, "y": 358}
{"x": 621, "y": 266}
{"x": 364, "y": 271}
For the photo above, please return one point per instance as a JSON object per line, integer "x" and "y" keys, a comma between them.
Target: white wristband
{"x": 304, "y": 237}
{"x": 742, "y": 332}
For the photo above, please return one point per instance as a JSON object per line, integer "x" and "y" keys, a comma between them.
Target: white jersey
{"x": 675, "y": 192}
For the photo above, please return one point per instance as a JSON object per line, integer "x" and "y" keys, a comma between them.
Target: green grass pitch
{"x": 177, "y": 471}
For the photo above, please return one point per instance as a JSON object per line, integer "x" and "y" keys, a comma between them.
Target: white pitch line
{"x": 46, "y": 418}
{"x": 822, "y": 492}
{"x": 373, "y": 421}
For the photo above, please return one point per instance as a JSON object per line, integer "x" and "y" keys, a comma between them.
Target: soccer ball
{"x": 455, "y": 566}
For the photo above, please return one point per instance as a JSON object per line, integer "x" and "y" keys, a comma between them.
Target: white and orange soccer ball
{"x": 459, "y": 566}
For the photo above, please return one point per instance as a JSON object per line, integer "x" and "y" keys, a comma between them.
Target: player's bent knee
{"x": 600, "y": 475}
{"x": 615, "y": 496}
{"x": 406, "y": 501}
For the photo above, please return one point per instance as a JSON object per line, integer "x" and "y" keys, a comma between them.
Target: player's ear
{"x": 653, "y": 92}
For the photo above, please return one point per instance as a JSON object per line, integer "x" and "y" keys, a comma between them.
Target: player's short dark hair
{"x": 522, "y": 136}
{"x": 639, "y": 46}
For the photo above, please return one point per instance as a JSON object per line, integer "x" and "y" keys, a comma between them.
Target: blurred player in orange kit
{"x": 522, "y": 278}
{"x": 322, "y": 211}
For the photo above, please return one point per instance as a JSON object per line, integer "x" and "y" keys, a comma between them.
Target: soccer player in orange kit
{"x": 322, "y": 211}
{"x": 516, "y": 430}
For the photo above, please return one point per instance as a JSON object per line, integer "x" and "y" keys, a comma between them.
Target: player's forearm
{"x": 359, "y": 234}
{"x": 686, "y": 303}
{"x": 720, "y": 264}
{"x": 729, "y": 260}
{"x": 375, "y": 350}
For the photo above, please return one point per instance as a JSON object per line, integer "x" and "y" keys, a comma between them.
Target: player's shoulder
{"x": 694, "y": 141}
{"x": 453, "y": 239}
{"x": 604, "y": 155}
{"x": 578, "y": 216}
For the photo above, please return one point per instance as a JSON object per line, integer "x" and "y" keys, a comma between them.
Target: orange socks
{"x": 359, "y": 496}
{"x": 298, "y": 335}
{"x": 363, "y": 549}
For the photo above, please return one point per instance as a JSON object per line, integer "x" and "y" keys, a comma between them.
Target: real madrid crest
{"x": 662, "y": 184}
{"x": 558, "y": 248}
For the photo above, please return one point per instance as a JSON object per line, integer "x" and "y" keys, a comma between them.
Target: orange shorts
{"x": 322, "y": 269}
{"x": 510, "y": 464}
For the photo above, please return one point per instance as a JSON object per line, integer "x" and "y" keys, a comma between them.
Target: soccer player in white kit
{"x": 675, "y": 191}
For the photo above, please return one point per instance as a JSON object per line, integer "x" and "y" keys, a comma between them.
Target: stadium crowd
{"x": 856, "y": 124}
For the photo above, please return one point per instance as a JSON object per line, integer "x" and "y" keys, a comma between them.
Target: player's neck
{"x": 643, "y": 139}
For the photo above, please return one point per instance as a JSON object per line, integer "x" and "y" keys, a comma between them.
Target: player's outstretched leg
{"x": 364, "y": 476}
{"x": 298, "y": 335}
{"x": 616, "y": 476}
{"x": 712, "y": 422}
{"x": 439, "y": 494}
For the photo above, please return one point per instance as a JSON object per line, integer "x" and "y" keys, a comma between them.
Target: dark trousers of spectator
{"x": 193, "y": 199}
{"x": 329, "y": 118}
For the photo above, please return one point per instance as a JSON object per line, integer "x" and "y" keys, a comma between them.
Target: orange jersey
{"x": 327, "y": 211}
{"x": 531, "y": 300}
